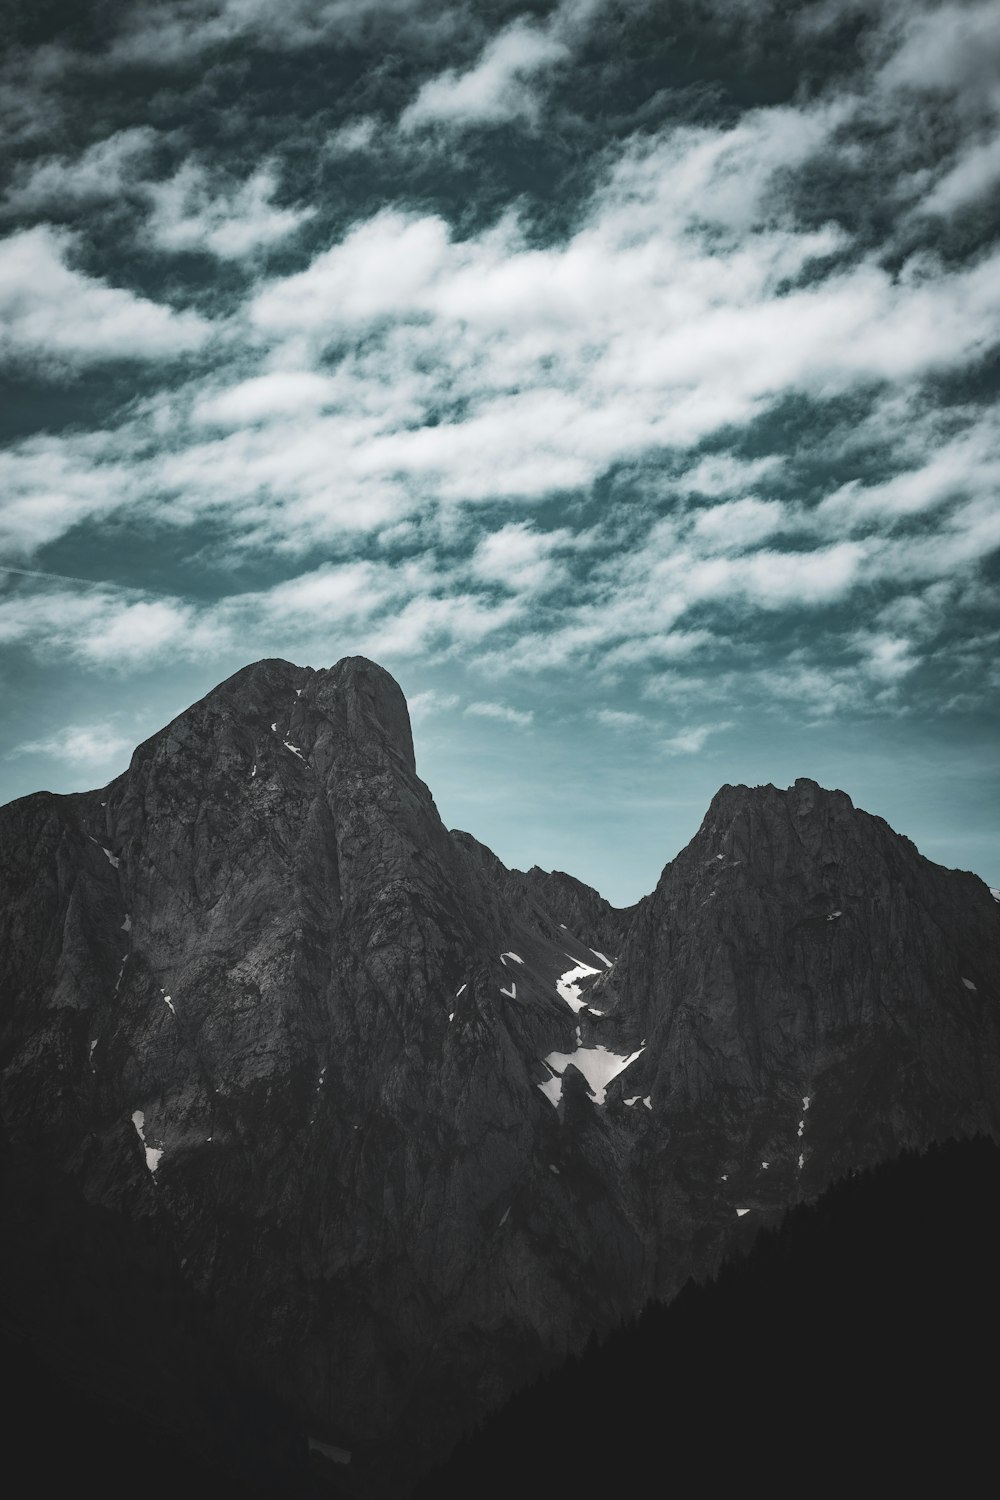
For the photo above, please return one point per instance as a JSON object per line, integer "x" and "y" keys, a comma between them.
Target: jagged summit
{"x": 394, "y": 1126}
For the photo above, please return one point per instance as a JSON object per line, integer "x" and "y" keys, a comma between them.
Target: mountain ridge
{"x": 404, "y": 1133}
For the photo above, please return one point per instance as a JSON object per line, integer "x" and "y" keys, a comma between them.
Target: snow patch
{"x": 741, "y": 1211}
{"x": 127, "y": 924}
{"x": 969, "y": 985}
{"x": 806, "y": 1101}
{"x": 802, "y": 1161}
{"x": 451, "y": 1015}
{"x": 253, "y": 772}
{"x": 568, "y": 985}
{"x": 335, "y": 1455}
{"x": 765, "y": 1165}
{"x": 167, "y": 1001}
{"x": 802, "y": 1127}
{"x": 634, "y": 1100}
{"x": 834, "y": 915}
{"x": 995, "y": 892}
{"x": 597, "y": 1064}
{"x": 553, "y": 1169}
{"x": 515, "y": 956}
{"x": 274, "y": 726}
{"x": 294, "y": 749}
{"x": 461, "y": 991}
{"x": 115, "y": 861}
{"x": 605, "y": 960}
{"x": 724, "y": 1177}
{"x": 552, "y": 1089}
{"x": 153, "y": 1153}
{"x": 511, "y": 993}
{"x": 648, "y": 1101}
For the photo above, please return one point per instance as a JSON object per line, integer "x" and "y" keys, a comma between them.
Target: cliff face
{"x": 390, "y": 1120}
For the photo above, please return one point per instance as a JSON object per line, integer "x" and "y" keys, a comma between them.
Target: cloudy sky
{"x": 621, "y": 374}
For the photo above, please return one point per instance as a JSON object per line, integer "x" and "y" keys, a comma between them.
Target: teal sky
{"x": 620, "y": 375}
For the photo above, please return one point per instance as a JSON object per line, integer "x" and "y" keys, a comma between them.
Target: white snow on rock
{"x": 515, "y": 956}
{"x": 553, "y": 1168}
{"x": 294, "y": 749}
{"x": 511, "y": 993}
{"x": 720, "y": 856}
{"x": 121, "y": 971}
{"x": 451, "y": 1015}
{"x": 802, "y": 1161}
{"x": 274, "y": 726}
{"x": 724, "y": 1177}
{"x": 648, "y": 1101}
{"x": 167, "y": 1001}
{"x": 552, "y": 1089}
{"x": 112, "y": 857}
{"x": 597, "y": 1064}
{"x": 741, "y": 1211}
{"x": 765, "y": 1165}
{"x": 568, "y": 985}
{"x": 969, "y": 985}
{"x": 634, "y": 1100}
{"x": 253, "y": 772}
{"x": 995, "y": 892}
{"x": 802, "y": 1127}
{"x": 461, "y": 991}
{"x": 153, "y": 1153}
{"x": 605, "y": 960}
{"x": 806, "y": 1101}
{"x": 506, "y": 1216}
{"x": 834, "y": 915}
{"x": 127, "y": 924}
{"x": 335, "y": 1455}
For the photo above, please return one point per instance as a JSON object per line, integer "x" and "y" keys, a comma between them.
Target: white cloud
{"x": 188, "y": 212}
{"x": 355, "y": 135}
{"x": 98, "y": 174}
{"x": 691, "y": 741}
{"x": 739, "y": 524}
{"x": 887, "y": 657}
{"x": 617, "y": 718}
{"x": 263, "y": 398}
{"x": 432, "y": 701}
{"x": 79, "y": 744}
{"x": 519, "y": 557}
{"x": 500, "y": 86}
{"x": 974, "y": 175}
{"x": 486, "y": 710}
{"x": 49, "y": 311}
{"x": 952, "y": 49}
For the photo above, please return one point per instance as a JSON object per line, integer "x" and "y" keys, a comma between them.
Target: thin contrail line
{"x": 95, "y": 583}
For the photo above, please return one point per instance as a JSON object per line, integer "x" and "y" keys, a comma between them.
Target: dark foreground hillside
{"x": 856, "y": 1345}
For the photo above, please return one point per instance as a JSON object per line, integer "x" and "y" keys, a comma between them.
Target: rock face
{"x": 274, "y": 1040}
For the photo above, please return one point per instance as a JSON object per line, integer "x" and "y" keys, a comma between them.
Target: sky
{"x": 619, "y": 374}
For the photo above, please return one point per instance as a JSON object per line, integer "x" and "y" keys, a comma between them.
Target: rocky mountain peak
{"x": 403, "y": 1124}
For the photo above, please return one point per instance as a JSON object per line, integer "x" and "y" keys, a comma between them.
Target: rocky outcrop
{"x": 392, "y": 1124}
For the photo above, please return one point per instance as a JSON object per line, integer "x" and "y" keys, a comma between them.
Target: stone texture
{"x": 262, "y": 937}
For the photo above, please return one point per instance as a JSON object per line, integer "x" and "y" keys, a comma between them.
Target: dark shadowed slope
{"x": 853, "y": 1347}
{"x": 372, "y": 1125}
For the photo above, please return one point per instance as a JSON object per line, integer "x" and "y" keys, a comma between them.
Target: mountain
{"x": 340, "y": 1118}
{"x": 850, "y": 1340}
